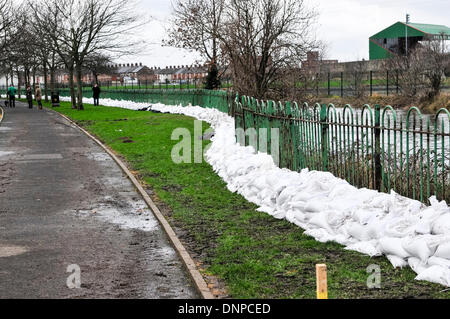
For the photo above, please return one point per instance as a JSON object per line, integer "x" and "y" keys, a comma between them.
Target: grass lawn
{"x": 253, "y": 254}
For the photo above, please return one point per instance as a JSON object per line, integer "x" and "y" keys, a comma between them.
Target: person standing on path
{"x": 12, "y": 96}
{"x": 29, "y": 95}
{"x": 96, "y": 94}
{"x": 38, "y": 96}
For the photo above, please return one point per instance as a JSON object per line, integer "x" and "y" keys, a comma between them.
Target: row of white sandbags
{"x": 328, "y": 208}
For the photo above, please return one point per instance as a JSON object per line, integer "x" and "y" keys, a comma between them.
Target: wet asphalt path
{"x": 64, "y": 201}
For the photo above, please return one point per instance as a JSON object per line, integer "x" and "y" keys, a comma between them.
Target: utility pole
{"x": 406, "y": 27}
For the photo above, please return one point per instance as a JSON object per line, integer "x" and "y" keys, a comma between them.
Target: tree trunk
{"x": 72, "y": 88}
{"x": 52, "y": 74}
{"x": 34, "y": 78}
{"x": 95, "y": 77}
{"x": 45, "y": 82}
{"x": 79, "y": 87}
{"x": 52, "y": 79}
{"x": 18, "y": 84}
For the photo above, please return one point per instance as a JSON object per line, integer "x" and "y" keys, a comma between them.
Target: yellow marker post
{"x": 321, "y": 276}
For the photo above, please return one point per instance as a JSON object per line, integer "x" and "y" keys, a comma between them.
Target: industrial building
{"x": 400, "y": 37}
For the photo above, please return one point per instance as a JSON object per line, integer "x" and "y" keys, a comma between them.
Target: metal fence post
{"x": 324, "y": 135}
{"x": 396, "y": 80}
{"x": 317, "y": 84}
{"x": 342, "y": 84}
{"x": 377, "y": 159}
{"x": 387, "y": 83}
{"x": 371, "y": 83}
{"x": 329, "y": 84}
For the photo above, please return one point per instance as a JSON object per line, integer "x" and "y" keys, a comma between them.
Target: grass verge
{"x": 253, "y": 254}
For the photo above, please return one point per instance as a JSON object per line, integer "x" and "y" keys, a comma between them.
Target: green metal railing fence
{"x": 377, "y": 148}
{"x": 382, "y": 149}
{"x": 220, "y": 100}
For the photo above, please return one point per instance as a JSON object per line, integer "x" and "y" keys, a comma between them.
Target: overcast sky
{"x": 345, "y": 25}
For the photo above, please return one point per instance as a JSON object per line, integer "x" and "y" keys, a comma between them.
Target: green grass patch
{"x": 255, "y": 255}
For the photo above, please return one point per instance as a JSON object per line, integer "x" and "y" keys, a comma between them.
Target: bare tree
{"x": 357, "y": 74}
{"x": 48, "y": 22}
{"x": 263, "y": 39}
{"x": 79, "y": 28}
{"x": 6, "y": 13}
{"x": 435, "y": 59}
{"x": 7, "y": 33}
{"x": 409, "y": 70}
{"x": 196, "y": 26}
{"x": 97, "y": 64}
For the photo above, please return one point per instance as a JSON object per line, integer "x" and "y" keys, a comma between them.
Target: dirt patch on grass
{"x": 172, "y": 188}
{"x": 125, "y": 139}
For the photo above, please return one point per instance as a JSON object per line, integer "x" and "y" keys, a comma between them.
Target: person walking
{"x": 12, "y": 96}
{"x": 96, "y": 94}
{"x": 29, "y": 95}
{"x": 38, "y": 96}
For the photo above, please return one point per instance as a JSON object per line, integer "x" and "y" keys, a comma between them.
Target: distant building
{"x": 392, "y": 40}
{"x": 183, "y": 73}
{"x": 313, "y": 63}
{"x": 134, "y": 72}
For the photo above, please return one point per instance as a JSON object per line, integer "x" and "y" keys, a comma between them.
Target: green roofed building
{"x": 392, "y": 40}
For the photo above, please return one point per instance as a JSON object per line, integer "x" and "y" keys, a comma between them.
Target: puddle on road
{"x": 100, "y": 157}
{"x": 5, "y": 153}
{"x": 10, "y": 251}
{"x": 138, "y": 216}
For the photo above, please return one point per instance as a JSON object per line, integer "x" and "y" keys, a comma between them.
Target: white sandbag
{"x": 285, "y": 195}
{"x": 439, "y": 206}
{"x": 336, "y": 218}
{"x": 363, "y": 216}
{"x": 298, "y": 205}
{"x": 266, "y": 209}
{"x": 437, "y": 261}
{"x": 358, "y": 231}
{"x": 375, "y": 229}
{"x": 423, "y": 227}
{"x": 294, "y": 216}
{"x": 315, "y": 206}
{"x": 396, "y": 261}
{"x": 301, "y": 197}
{"x": 416, "y": 265}
{"x": 436, "y": 274}
{"x": 380, "y": 201}
{"x": 414, "y": 207}
{"x": 441, "y": 225}
{"x": 400, "y": 227}
{"x": 434, "y": 241}
{"x": 365, "y": 247}
{"x": 279, "y": 214}
{"x": 417, "y": 248}
{"x": 341, "y": 190}
{"x": 393, "y": 246}
{"x": 321, "y": 235}
{"x": 320, "y": 220}
{"x": 443, "y": 251}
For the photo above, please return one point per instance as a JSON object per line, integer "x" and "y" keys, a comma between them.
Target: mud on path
{"x": 64, "y": 201}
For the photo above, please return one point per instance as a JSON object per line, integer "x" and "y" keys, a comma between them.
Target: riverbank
{"x": 396, "y": 101}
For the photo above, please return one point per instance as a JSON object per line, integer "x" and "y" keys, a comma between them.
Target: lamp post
{"x": 406, "y": 27}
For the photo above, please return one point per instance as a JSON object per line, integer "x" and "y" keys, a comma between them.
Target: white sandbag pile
{"x": 328, "y": 208}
